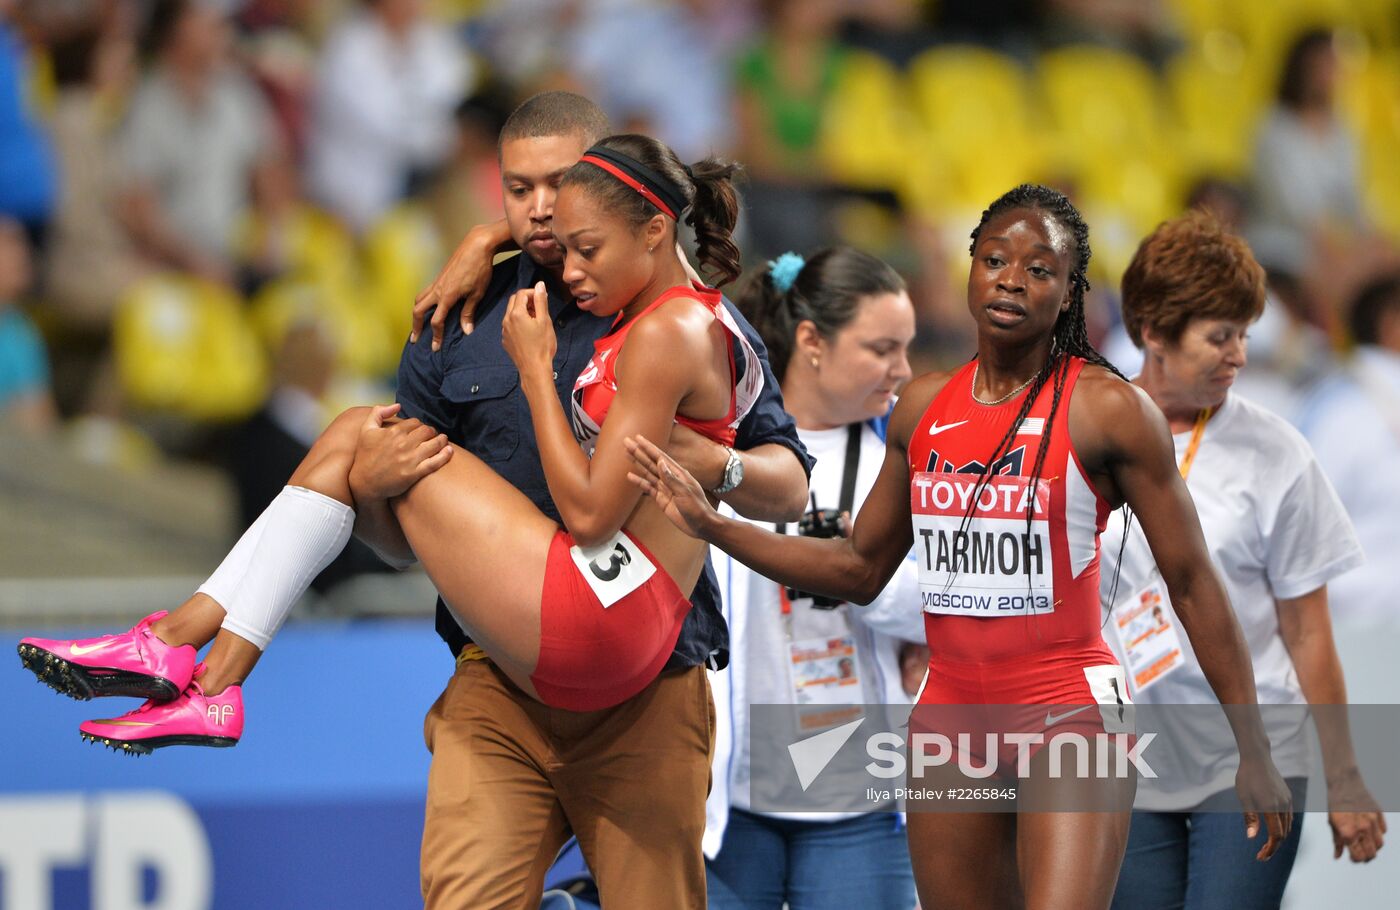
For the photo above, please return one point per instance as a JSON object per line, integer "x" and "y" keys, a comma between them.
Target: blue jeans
{"x": 859, "y": 862}
{"x": 1201, "y": 860}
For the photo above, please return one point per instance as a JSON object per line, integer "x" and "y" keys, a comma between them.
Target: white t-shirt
{"x": 1275, "y": 530}
{"x": 382, "y": 108}
{"x": 1353, "y": 422}
{"x": 198, "y": 157}
{"x": 760, "y": 655}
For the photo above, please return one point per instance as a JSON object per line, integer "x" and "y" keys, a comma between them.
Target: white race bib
{"x": 992, "y": 567}
{"x": 1110, "y": 691}
{"x": 613, "y": 569}
{"x": 1146, "y": 629}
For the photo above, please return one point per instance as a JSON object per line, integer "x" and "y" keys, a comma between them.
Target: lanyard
{"x": 1195, "y": 445}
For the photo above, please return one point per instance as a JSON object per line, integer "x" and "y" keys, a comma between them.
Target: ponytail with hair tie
{"x": 783, "y": 271}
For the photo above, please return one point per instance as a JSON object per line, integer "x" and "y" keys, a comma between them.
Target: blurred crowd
{"x": 214, "y": 214}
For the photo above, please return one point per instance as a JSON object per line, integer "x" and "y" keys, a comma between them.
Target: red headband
{"x": 631, "y": 181}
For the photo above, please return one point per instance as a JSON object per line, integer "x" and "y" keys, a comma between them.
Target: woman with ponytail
{"x": 581, "y": 616}
{"x": 837, "y": 327}
{"x": 1006, "y": 470}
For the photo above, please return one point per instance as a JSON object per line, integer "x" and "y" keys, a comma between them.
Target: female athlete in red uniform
{"x": 1001, "y": 475}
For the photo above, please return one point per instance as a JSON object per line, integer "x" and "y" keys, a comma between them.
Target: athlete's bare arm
{"x": 669, "y": 355}
{"x": 854, "y": 569}
{"x": 1124, "y": 443}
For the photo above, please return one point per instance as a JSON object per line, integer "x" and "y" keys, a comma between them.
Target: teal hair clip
{"x": 783, "y": 271}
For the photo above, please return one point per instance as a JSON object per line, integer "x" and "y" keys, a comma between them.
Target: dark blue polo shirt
{"x": 470, "y": 390}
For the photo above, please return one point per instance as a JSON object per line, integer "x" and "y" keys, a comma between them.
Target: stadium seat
{"x": 1215, "y": 115}
{"x": 317, "y": 246}
{"x": 1199, "y": 19}
{"x": 1111, "y": 132}
{"x": 966, "y": 97}
{"x": 402, "y": 253}
{"x": 363, "y": 343}
{"x": 867, "y": 129}
{"x": 185, "y": 347}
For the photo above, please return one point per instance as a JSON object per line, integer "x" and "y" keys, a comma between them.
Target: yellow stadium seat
{"x": 317, "y": 245}
{"x": 402, "y": 253}
{"x": 185, "y": 347}
{"x": 1198, "y": 19}
{"x": 363, "y": 343}
{"x": 1369, "y": 97}
{"x": 867, "y": 129}
{"x": 967, "y": 98}
{"x": 1111, "y": 132}
{"x": 1372, "y": 100}
{"x": 1215, "y": 115}
{"x": 1102, "y": 97}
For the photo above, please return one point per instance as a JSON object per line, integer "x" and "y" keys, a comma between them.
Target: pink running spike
{"x": 192, "y": 719}
{"x": 135, "y": 663}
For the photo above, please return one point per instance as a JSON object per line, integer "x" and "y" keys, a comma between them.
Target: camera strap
{"x": 848, "y": 474}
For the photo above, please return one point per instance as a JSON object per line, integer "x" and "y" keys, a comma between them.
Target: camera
{"x": 819, "y": 523}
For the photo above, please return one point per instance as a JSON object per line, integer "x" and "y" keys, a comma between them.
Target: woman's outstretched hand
{"x": 674, "y": 489}
{"x": 391, "y": 457}
{"x": 527, "y": 332}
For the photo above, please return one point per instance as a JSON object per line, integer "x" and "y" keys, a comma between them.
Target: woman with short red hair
{"x": 1277, "y": 534}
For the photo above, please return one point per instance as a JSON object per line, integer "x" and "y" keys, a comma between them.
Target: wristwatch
{"x": 733, "y": 473}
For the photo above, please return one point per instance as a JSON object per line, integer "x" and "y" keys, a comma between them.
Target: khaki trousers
{"x": 511, "y": 778}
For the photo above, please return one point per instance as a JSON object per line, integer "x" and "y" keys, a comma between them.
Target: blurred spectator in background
{"x": 660, "y": 68}
{"x": 1288, "y": 355}
{"x": 1221, "y": 197}
{"x": 91, "y": 259}
{"x": 1353, "y": 423}
{"x": 1306, "y": 162}
{"x": 266, "y": 449}
{"x": 1307, "y": 203}
{"x": 195, "y": 136}
{"x": 388, "y": 81}
{"x": 283, "y": 64}
{"x": 468, "y": 190}
{"x": 27, "y": 181}
{"x": 783, "y": 83}
{"x": 26, "y": 404}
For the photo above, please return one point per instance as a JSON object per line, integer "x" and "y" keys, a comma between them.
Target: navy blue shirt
{"x": 470, "y": 390}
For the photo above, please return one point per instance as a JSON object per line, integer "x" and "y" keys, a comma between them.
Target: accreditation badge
{"x": 826, "y": 685}
{"x": 1146, "y": 627}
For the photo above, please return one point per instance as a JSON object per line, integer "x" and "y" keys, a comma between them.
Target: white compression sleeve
{"x": 286, "y": 548}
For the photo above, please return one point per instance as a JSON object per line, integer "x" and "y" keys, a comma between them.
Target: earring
{"x": 651, "y": 249}
{"x": 815, "y": 364}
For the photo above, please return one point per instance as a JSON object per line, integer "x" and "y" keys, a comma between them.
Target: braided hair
{"x": 1069, "y": 339}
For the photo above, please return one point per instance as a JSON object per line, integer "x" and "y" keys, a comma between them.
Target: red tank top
{"x": 992, "y": 590}
{"x": 596, "y": 386}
